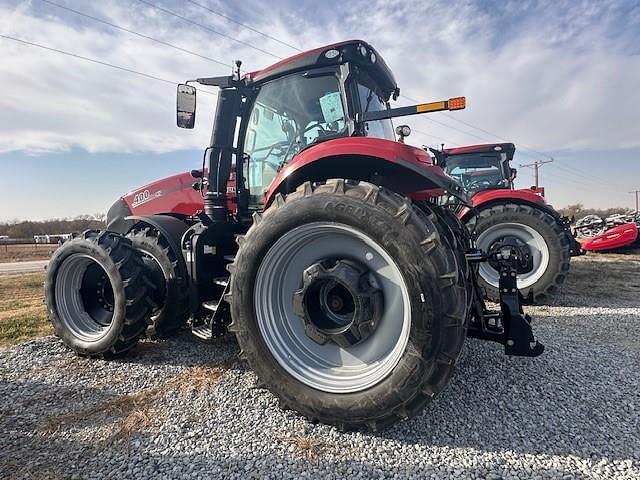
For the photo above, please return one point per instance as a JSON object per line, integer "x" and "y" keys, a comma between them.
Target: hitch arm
{"x": 510, "y": 326}
{"x": 518, "y": 334}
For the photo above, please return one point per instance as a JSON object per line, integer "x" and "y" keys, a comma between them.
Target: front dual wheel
{"x": 346, "y": 302}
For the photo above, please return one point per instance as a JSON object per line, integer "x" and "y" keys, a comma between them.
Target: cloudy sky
{"x": 560, "y": 79}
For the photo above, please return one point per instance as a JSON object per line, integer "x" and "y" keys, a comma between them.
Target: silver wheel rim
{"x": 524, "y": 233}
{"x": 329, "y": 367}
{"x": 69, "y": 301}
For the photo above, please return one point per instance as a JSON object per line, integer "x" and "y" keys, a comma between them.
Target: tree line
{"x": 27, "y": 229}
{"x": 579, "y": 211}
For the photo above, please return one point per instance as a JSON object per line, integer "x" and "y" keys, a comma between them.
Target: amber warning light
{"x": 457, "y": 103}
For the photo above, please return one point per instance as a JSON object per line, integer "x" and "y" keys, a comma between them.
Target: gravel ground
{"x": 184, "y": 409}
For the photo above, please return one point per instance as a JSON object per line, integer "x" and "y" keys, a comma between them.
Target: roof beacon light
{"x": 333, "y": 53}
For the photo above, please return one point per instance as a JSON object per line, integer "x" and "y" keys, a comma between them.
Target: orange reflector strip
{"x": 431, "y": 107}
{"x": 457, "y": 103}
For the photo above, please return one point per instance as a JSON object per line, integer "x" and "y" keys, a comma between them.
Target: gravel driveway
{"x": 184, "y": 409}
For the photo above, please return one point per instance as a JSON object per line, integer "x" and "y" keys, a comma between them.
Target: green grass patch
{"x": 23, "y": 315}
{"x": 22, "y": 328}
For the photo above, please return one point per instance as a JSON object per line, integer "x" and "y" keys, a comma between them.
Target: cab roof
{"x": 355, "y": 51}
{"x": 508, "y": 148}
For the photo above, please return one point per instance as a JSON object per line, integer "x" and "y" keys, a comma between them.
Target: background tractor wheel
{"x": 347, "y": 303}
{"x": 170, "y": 293}
{"x": 97, "y": 294}
{"x": 535, "y": 230}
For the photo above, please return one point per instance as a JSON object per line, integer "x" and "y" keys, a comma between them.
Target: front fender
{"x": 487, "y": 198}
{"x": 171, "y": 228}
{"x": 399, "y": 167}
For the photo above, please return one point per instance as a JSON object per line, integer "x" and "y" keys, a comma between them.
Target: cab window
{"x": 288, "y": 115}
{"x": 371, "y": 101}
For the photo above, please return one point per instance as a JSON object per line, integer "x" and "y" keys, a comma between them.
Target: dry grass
{"x": 608, "y": 277}
{"x": 312, "y": 449}
{"x": 22, "y": 312}
{"x": 22, "y": 253}
{"x": 133, "y": 413}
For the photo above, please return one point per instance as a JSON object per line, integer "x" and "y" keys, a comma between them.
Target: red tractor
{"x": 499, "y": 212}
{"x": 350, "y": 300}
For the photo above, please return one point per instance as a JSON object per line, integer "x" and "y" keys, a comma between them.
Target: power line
{"x": 168, "y": 44}
{"x": 205, "y": 27}
{"x": 248, "y": 27}
{"x": 98, "y": 62}
{"x": 521, "y": 147}
{"x": 205, "y": 7}
{"x": 133, "y": 32}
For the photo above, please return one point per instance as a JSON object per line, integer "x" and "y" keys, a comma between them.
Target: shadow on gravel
{"x": 157, "y": 352}
{"x": 556, "y": 404}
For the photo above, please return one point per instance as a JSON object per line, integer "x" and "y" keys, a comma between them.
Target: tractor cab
{"x": 479, "y": 167}
{"x": 337, "y": 91}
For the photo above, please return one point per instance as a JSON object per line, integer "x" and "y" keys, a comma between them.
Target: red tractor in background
{"x": 499, "y": 212}
{"x": 313, "y": 236}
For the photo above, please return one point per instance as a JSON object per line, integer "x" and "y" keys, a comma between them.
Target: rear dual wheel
{"x": 348, "y": 304}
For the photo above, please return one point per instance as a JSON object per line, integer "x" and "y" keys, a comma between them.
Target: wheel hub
{"x": 512, "y": 250}
{"x": 339, "y": 302}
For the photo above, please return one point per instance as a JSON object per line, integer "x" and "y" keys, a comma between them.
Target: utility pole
{"x": 536, "y": 166}
{"x": 636, "y": 192}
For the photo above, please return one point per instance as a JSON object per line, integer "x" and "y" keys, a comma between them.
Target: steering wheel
{"x": 479, "y": 184}
{"x": 317, "y": 124}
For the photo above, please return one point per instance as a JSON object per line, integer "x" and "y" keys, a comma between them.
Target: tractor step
{"x": 202, "y": 331}
{"x": 221, "y": 281}
{"x": 211, "y": 305}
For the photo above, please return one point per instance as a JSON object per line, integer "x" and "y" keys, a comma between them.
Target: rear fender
{"x": 399, "y": 167}
{"x": 490, "y": 198}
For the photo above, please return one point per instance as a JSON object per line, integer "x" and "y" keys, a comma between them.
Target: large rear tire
{"x": 406, "y": 359}
{"x": 97, "y": 294}
{"x": 171, "y": 295}
{"x": 536, "y": 230}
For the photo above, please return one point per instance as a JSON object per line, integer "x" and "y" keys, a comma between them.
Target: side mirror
{"x": 186, "y": 106}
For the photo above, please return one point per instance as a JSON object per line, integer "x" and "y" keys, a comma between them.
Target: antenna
{"x": 238, "y": 65}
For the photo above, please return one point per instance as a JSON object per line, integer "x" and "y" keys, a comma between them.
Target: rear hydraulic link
{"x": 510, "y": 326}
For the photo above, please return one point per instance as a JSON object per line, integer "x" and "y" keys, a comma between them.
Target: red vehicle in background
{"x": 599, "y": 234}
{"x": 500, "y": 211}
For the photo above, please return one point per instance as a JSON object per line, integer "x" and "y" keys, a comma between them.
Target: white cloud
{"x": 557, "y": 80}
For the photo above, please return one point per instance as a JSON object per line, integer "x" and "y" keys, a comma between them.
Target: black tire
{"x": 93, "y": 261}
{"x": 438, "y": 304}
{"x": 171, "y": 294}
{"x": 553, "y": 234}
